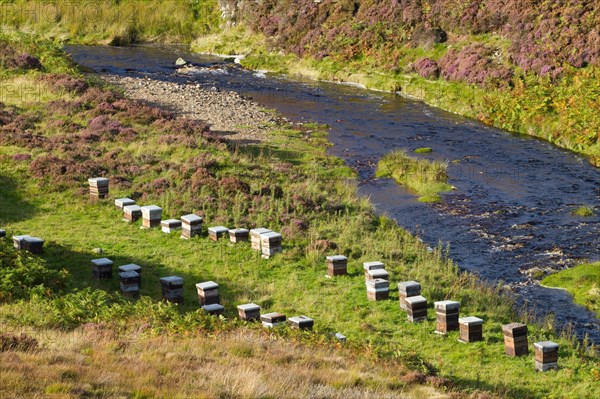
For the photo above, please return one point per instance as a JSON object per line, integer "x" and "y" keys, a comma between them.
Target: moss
{"x": 581, "y": 281}
{"x": 426, "y": 178}
{"x": 423, "y": 150}
{"x": 584, "y": 210}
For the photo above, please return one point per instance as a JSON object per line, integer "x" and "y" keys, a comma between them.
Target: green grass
{"x": 584, "y": 211}
{"x": 295, "y": 188}
{"x": 581, "y": 281}
{"x": 426, "y": 178}
{"x": 423, "y": 150}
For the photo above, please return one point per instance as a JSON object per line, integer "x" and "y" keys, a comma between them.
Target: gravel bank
{"x": 230, "y": 115}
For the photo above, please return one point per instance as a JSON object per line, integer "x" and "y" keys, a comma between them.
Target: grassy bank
{"x": 112, "y": 22}
{"x": 562, "y": 111}
{"x": 582, "y": 281}
{"x": 427, "y": 178}
{"x": 51, "y": 144}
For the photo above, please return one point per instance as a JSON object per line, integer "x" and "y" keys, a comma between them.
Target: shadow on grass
{"x": 78, "y": 264}
{"x": 255, "y": 151}
{"x": 13, "y": 205}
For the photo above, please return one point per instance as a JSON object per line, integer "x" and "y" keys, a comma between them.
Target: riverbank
{"x": 581, "y": 281}
{"x": 561, "y": 111}
{"x": 288, "y": 184}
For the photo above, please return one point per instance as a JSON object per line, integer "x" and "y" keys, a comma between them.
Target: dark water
{"x": 510, "y": 212}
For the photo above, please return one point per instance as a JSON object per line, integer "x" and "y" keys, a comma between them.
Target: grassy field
{"x": 51, "y": 144}
{"x": 582, "y": 281}
{"x": 427, "y": 178}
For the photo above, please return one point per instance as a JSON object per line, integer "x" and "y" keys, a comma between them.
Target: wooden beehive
{"x": 446, "y": 316}
{"x": 515, "y": 339}
{"x": 249, "y": 311}
{"x": 369, "y": 266}
{"x": 272, "y": 319}
{"x": 217, "y": 232}
{"x": 208, "y": 293}
{"x": 102, "y": 268}
{"x": 255, "y": 237}
{"x": 151, "y": 216}
{"x": 416, "y": 308}
{"x": 132, "y": 268}
{"x": 239, "y": 235}
{"x": 172, "y": 289}
{"x": 98, "y": 187}
{"x": 546, "y": 355}
{"x": 191, "y": 226}
{"x": 214, "y": 309}
{"x": 301, "y": 322}
{"x": 377, "y": 273}
{"x": 407, "y": 289}
{"x": 337, "y": 265}
{"x": 34, "y": 245}
{"x": 170, "y": 225}
{"x": 270, "y": 244}
{"x": 132, "y": 213}
{"x": 19, "y": 241}
{"x": 2, "y": 233}
{"x": 378, "y": 289}
{"x": 123, "y": 202}
{"x": 471, "y": 329}
{"x": 129, "y": 283}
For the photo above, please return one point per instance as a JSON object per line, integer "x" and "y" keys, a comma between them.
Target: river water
{"x": 510, "y": 212}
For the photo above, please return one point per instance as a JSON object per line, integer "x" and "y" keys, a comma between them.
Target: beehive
{"x": 19, "y": 241}
{"x": 129, "y": 283}
{"x": 301, "y": 322}
{"x": 337, "y": 265}
{"x": 377, "y": 273}
{"x": 378, "y": 289}
{"x": 34, "y": 245}
{"x": 270, "y": 244}
{"x": 172, "y": 289}
{"x": 170, "y": 225}
{"x": 102, "y": 268}
{"x": 214, "y": 309}
{"x": 471, "y": 329}
{"x": 407, "y": 289}
{"x": 515, "y": 339}
{"x": 340, "y": 337}
{"x": 191, "y": 226}
{"x": 217, "y": 232}
{"x": 151, "y": 216}
{"x": 132, "y": 213}
{"x": 2, "y": 233}
{"x": 238, "y": 235}
{"x": 369, "y": 266}
{"x": 272, "y": 319}
{"x": 123, "y": 202}
{"x": 446, "y": 316}
{"x": 255, "y": 237}
{"x": 208, "y": 293}
{"x": 249, "y": 311}
{"x": 416, "y": 308}
{"x": 98, "y": 187}
{"x": 132, "y": 268}
{"x": 546, "y": 355}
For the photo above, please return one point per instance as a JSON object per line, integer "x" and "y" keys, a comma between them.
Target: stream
{"x": 511, "y": 213}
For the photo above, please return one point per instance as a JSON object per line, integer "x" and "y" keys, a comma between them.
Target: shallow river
{"x": 510, "y": 212}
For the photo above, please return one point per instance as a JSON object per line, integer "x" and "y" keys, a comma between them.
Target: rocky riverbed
{"x": 230, "y": 115}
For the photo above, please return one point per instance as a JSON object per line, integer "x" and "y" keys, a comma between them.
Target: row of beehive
{"x": 447, "y": 313}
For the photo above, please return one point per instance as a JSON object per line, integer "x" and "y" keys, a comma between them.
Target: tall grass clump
{"x": 427, "y": 178}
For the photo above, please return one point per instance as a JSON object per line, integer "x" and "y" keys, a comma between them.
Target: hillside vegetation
{"x": 529, "y": 67}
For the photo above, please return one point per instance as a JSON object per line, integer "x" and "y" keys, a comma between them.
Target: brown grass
{"x": 96, "y": 362}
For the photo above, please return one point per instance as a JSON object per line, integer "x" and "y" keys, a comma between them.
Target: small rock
{"x": 180, "y": 62}
{"x": 98, "y": 251}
